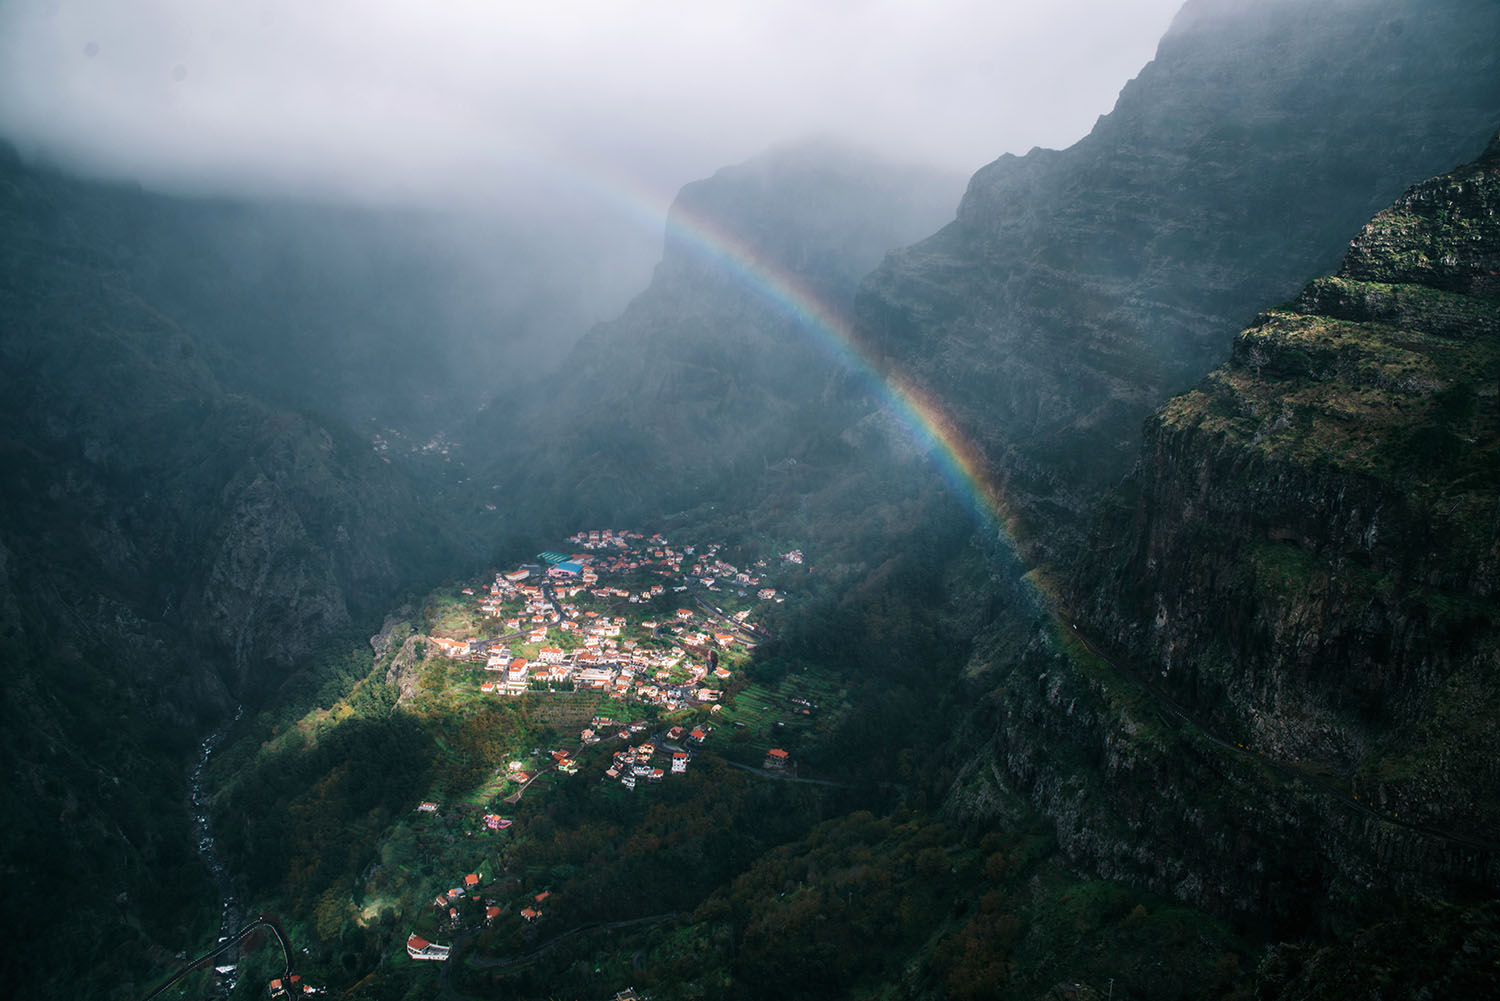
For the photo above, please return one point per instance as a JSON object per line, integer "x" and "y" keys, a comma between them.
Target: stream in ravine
{"x": 231, "y": 914}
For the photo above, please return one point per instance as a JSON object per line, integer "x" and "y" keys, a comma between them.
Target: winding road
{"x": 262, "y": 921}
{"x": 501, "y": 962}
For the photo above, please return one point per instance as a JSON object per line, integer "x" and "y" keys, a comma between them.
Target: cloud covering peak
{"x": 385, "y": 99}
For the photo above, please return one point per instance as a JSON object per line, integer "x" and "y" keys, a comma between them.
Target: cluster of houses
{"x": 448, "y": 901}
{"x": 293, "y": 986}
{"x": 447, "y": 906}
{"x": 601, "y": 655}
{"x": 639, "y": 762}
{"x": 657, "y": 554}
{"x": 573, "y": 648}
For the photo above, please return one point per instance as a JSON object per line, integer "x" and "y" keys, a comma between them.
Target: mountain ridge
{"x": 1078, "y": 288}
{"x": 1298, "y": 593}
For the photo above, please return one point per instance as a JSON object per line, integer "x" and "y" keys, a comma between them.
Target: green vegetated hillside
{"x": 1270, "y": 691}
{"x": 1119, "y": 808}
{"x": 834, "y": 874}
{"x": 167, "y": 545}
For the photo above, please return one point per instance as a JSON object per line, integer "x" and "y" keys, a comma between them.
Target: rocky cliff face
{"x": 1078, "y": 288}
{"x": 1278, "y": 696}
{"x": 1313, "y": 559}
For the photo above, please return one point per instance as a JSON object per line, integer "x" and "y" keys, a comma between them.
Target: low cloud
{"x": 389, "y": 100}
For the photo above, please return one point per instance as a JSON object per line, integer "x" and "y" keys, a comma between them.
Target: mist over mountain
{"x": 1202, "y": 709}
{"x": 715, "y": 373}
{"x": 170, "y": 545}
{"x": 376, "y": 317}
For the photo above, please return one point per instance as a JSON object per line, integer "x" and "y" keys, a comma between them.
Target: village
{"x": 551, "y": 639}
{"x": 601, "y": 619}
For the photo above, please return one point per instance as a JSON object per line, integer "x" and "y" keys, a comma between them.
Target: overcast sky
{"x": 417, "y": 99}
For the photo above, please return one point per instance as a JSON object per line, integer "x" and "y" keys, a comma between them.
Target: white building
{"x": 418, "y": 947}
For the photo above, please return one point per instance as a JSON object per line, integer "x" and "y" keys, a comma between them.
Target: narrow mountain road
{"x": 501, "y": 962}
{"x": 228, "y": 945}
{"x": 896, "y": 787}
{"x": 779, "y": 777}
{"x": 1285, "y": 768}
{"x": 718, "y": 613}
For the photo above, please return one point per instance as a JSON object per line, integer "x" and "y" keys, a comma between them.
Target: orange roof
{"x": 777, "y": 752}
{"x": 472, "y": 879}
{"x": 417, "y": 942}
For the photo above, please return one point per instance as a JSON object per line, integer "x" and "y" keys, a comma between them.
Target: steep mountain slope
{"x": 1347, "y": 513}
{"x": 376, "y": 316}
{"x": 1076, "y": 289}
{"x": 166, "y": 547}
{"x": 379, "y": 317}
{"x": 135, "y": 468}
{"x": 714, "y": 379}
{"x": 1278, "y": 699}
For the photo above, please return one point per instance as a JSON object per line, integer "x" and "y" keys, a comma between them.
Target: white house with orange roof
{"x": 418, "y": 947}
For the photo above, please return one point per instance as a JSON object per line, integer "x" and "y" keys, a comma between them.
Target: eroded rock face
{"x": 1303, "y": 570}
{"x": 1313, "y": 560}
{"x": 1079, "y": 288}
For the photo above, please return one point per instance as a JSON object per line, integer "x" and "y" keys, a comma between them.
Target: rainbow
{"x": 932, "y": 429}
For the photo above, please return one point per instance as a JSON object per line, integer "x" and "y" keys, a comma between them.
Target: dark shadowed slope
{"x": 167, "y": 547}
{"x": 1078, "y": 288}
{"x": 1284, "y": 706}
